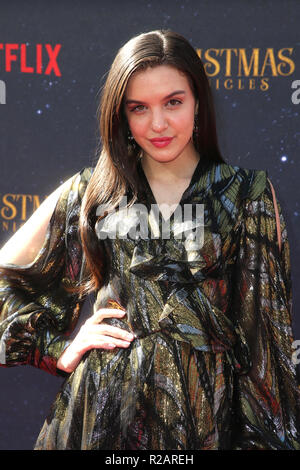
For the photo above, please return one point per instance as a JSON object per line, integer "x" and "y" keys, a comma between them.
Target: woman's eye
{"x": 138, "y": 108}
{"x": 174, "y": 102}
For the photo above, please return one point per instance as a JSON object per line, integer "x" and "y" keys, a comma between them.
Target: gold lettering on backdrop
{"x": 210, "y": 62}
{"x": 13, "y": 227}
{"x": 285, "y": 61}
{"x": 240, "y": 84}
{"x": 9, "y": 206}
{"x": 264, "y": 84}
{"x": 246, "y": 69}
{"x": 245, "y": 66}
{"x": 24, "y": 197}
{"x": 251, "y": 84}
{"x": 228, "y": 84}
{"x": 270, "y": 62}
{"x": 228, "y": 60}
{"x": 16, "y": 209}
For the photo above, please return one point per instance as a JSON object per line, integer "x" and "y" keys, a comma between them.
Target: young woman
{"x": 189, "y": 343}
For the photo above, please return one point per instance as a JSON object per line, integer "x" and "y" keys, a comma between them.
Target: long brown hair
{"x": 116, "y": 168}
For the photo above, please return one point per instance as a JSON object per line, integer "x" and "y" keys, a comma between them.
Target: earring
{"x": 129, "y": 136}
{"x": 131, "y": 142}
{"x": 196, "y": 128}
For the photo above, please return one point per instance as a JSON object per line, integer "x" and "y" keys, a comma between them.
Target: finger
{"x": 99, "y": 315}
{"x": 108, "y": 342}
{"x": 104, "y": 329}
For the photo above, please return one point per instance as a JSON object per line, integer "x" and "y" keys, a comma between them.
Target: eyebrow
{"x": 177, "y": 92}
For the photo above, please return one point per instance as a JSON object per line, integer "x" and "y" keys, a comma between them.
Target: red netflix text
{"x": 43, "y": 58}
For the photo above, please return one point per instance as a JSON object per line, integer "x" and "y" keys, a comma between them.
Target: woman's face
{"x": 160, "y": 109}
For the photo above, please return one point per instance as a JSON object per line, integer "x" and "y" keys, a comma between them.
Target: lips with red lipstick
{"x": 161, "y": 141}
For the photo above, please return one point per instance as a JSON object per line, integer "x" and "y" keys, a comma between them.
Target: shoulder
{"x": 243, "y": 183}
{"x": 71, "y": 197}
{"x": 60, "y": 209}
{"x": 85, "y": 173}
{"x": 81, "y": 180}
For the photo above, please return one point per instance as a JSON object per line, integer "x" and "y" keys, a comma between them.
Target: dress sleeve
{"x": 266, "y": 396}
{"x": 37, "y": 313}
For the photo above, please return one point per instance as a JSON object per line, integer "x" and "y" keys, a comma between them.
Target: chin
{"x": 163, "y": 158}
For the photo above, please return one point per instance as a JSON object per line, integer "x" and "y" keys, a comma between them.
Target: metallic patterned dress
{"x": 211, "y": 365}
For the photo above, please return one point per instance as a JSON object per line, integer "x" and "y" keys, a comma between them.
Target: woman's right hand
{"x": 94, "y": 334}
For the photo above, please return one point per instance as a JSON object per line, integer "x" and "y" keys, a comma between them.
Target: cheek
{"x": 138, "y": 127}
{"x": 184, "y": 122}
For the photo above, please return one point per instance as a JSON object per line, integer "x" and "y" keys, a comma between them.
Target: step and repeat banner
{"x": 54, "y": 57}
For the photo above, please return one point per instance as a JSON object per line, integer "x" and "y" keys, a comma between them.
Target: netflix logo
{"x": 43, "y": 58}
{"x": 25, "y": 58}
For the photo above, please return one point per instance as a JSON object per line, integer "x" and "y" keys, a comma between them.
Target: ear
{"x": 196, "y": 107}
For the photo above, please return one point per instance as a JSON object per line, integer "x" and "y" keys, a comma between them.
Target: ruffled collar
{"x": 168, "y": 259}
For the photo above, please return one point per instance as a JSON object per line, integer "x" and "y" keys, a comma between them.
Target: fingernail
{"x": 110, "y": 345}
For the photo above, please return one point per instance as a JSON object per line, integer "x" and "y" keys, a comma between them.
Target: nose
{"x": 159, "y": 121}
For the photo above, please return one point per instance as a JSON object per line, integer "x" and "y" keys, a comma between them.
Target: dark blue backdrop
{"x": 49, "y": 131}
